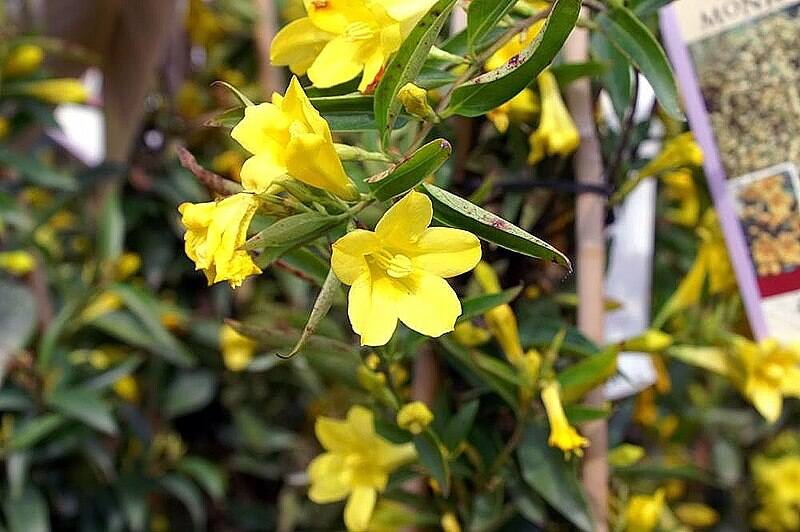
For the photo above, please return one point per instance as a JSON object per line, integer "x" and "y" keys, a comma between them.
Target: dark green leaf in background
{"x": 431, "y": 457}
{"x": 410, "y": 172}
{"x": 483, "y": 16}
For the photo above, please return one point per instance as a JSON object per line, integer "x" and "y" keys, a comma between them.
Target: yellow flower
{"x": 696, "y": 515}
{"x": 651, "y": 341}
{"x": 214, "y": 233}
{"x": 23, "y": 60}
{"x": 102, "y": 304}
{"x": 677, "y": 152}
{"x": 519, "y": 42}
{"x": 340, "y": 39}
{"x": 288, "y": 136}
{"x": 449, "y": 523}
{"x": 562, "y": 434}
{"x": 712, "y": 262}
{"x": 65, "y": 90}
{"x": 127, "y": 264}
{"x": 415, "y": 101}
{"x": 202, "y": 23}
{"x": 681, "y": 189}
{"x": 470, "y": 335}
{"x": 644, "y": 512}
{"x": 399, "y": 270}
{"x": 414, "y": 417}
{"x": 520, "y": 109}
{"x": 17, "y": 262}
{"x": 356, "y": 465}
{"x": 190, "y": 100}
{"x": 556, "y": 134}
{"x": 237, "y": 349}
{"x": 501, "y": 320}
{"x": 777, "y": 483}
{"x": 625, "y": 455}
{"x": 5, "y": 127}
{"x": 767, "y": 372}
{"x": 127, "y": 388}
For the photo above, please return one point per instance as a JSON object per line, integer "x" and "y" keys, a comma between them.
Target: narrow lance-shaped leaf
{"x": 457, "y": 212}
{"x": 488, "y": 91}
{"x": 406, "y": 65}
{"x": 294, "y": 231}
{"x": 482, "y": 16}
{"x": 639, "y": 45}
{"x": 429, "y": 450}
{"x": 320, "y": 310}
{"x": 412, "y": 171}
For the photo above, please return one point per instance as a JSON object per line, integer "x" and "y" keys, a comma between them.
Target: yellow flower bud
{"x": 372, "y": 381}
{"x": 5, "y": 127}
{"x": 414, "y": 417}
{"x": 415, "y": 101}
{"x": 127, "y": 388}
{"x": 127, "y": 265}
{"x": 23, "y": 60}
{"x": 651, "y": 341}
{"x": 696, "y": 515}
{"x": 557, "y": 133}
{"x": 17, "y": 262}
{"x": 677, "y": 152}
{"x": 644, "y": 512}
{"x": 373, "y": 361}
{"x": 449, "y": 523}
{"x": 470, "y": 335}
{"x": 237, "y": 349}
{"x": 562, "y": 434}
{"x": 625, "y": 455}
{"x": 63, "y": 90}
{"x": 102, "y": 304}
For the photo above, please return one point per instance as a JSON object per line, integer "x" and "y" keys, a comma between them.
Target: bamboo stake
{"x": 270, "y": 78}
{"x": 589, "y": 223}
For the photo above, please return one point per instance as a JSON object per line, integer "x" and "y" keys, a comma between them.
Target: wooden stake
{"x": 589, "y": 221}
{"x": 270, "y": 78}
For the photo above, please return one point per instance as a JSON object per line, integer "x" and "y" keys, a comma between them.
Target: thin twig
{"x": 214, "y": 182}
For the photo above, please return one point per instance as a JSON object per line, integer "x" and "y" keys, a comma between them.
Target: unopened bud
{"x": 415, "y": 101}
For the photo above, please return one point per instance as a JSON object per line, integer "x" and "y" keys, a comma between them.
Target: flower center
{"x": 397, "y": 266}
{"x": 358, "y": 31}
{"x": 774, "y": 371}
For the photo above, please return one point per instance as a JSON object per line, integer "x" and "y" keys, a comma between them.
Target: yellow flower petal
{"x": 264, "y": 128}
{"x": 447, "y": 252}
{"x": 313, "y": 160}
{"x": 767, "y": 400}
{"x": 298, "y": 44}
{"x": 406, "y": 220}
{"x": 348, "y": 260}
{"x": 358, "y": 510}
{"x": 372, "y": 308}
{"x": 339, "y": 61}
{"x": 327, "y": 484}
{"x": 430, "y": 306}
{"x": 260, "y": 172}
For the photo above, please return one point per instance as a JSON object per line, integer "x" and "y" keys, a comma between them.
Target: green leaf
{"x": 473, "y": 365}
{"x": 429, "y": 451}
{"x": 566, "y": 73}
{"x": 146, "y": 309}
{"x": 640, "y": 46}
{"x": 410, "y": 172}
{"x": 546, "y": 471}
{"x": 460, "y": 424}
{"x": 17, "y": 318}
{"x": 454, "y": 211}
{"x": 321, "y": 307}
{"x": 488, "y": 91}
{"x": 36, "y": 172}
{"x": 50, "y": 339}
{"x": 226, "y": 119}
{"x": 406, "y": 65}
{"x": 186, "y": 492}
{"x": 587, "y": 374}
{"x": 350, "y": 112}
{"x": 86, "y": 406}
{"x": 642, "y": 8}
{"x": 111, "y": 229}
{"x": 483, "y": 16}
{"x": 617, "y": 80}
{"x": 294, "y": 231}
{"x": 35, "y": 430}
{"x": 659, "y": 472}
{"x": 189, "y": 392}
{"x": 480, "y": 305}
{"x": 236, "y": 92}
{"x": 577, "y": 414}
{"x": 208, "y": 474}
{"x": 107, "y": 379}
{"x": 28, "y": 512}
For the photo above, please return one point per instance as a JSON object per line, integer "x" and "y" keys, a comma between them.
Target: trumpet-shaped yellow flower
{"x": 519, "y": 109}
{"x": 562, "y": 434}
{"x": 66, "y": 90}
{"x": 414, "y": 417}
{"x": 356, "y": 465}
{"x": 17, "y": 262}
{"x": 501, "y": 319}
{"x": 681, "y": 189}
{"x": 651, "y": 341}
{"x": 237, "y": 349}
{"x": 5, "y": 127}
{"x": 214, "y": 233}
{"x": 556, "y": 134}
{"x": 399, "y": 270}
{"x": 677, "y": 152}
{"x": 340, "y": 39}
{"x": 644, "y": 512}
{"x": 23, "y": 60}
{"x": 769, "y": 371}
{"x": 449, "y": 523}
{"x": 519, "y": 42}
{"x": 288, "y": 136}
{"x": 696, "y": 515}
